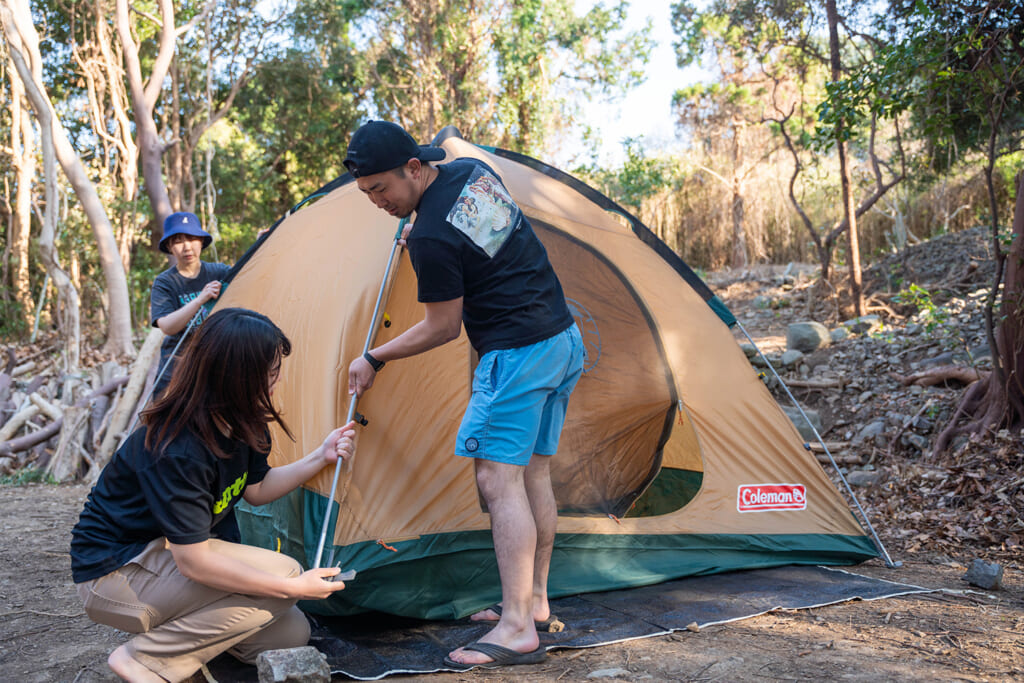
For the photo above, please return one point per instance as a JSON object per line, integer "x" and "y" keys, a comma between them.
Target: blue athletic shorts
{"x": 519, "y": 399}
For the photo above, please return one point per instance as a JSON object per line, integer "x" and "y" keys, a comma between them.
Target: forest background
{"x": 832, "y": 132}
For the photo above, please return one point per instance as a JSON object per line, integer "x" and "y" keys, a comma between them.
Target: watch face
{"x": 588, "y": 330}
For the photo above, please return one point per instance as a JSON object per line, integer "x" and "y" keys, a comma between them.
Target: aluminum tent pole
{"x": 396, "y": 249}
{"x": 163, "y": 368}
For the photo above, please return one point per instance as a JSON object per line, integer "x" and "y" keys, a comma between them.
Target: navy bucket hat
{"x": 183, "y": 223}
{"x": 380, "y": 146}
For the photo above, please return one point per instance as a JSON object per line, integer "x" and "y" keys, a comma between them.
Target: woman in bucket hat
{"x": 180, "y": 292}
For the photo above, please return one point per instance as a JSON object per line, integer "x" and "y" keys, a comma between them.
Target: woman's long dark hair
{"x": 222, "y": 381}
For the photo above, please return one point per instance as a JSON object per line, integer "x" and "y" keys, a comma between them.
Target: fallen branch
{"x": 23, "y": 369}
{"x": 119, "y": 421}
{"x": 17, "y": 421}
{"x": 32, "y": 356}
{"x": 45, "y": 407}
{"x": 817, "y": 383}
{"x": 940, "y": 375}
{"x": 28, "y": 441}
{"x": 818, "y": 447}
{"x": 67, "y": 456}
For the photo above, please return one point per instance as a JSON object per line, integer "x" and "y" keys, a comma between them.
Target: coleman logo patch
{"x": 763, "y": 497}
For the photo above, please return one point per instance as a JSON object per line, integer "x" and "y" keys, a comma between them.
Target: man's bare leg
{"x": 545, "y": 517}
{"x": 515, "y": 542}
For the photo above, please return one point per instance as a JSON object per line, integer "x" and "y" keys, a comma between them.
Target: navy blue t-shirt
{"x": 471, "y": 240}
{"x": 171, "y": 291}
{"x": 186, "y": 493}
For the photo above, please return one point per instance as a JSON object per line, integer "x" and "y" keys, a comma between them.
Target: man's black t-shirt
{"x": 471, "y": 240}
{"x": 186, "y": 493}
{"x": 171, "y": 291}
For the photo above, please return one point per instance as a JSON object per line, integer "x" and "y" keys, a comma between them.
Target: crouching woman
{"x": 155, "y": 550}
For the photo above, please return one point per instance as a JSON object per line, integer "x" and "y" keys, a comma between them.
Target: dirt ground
{"x": 934, "y": 526}
{"x": 964, "y": 634}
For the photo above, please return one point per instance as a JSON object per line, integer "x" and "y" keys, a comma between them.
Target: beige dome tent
{"x": 675, "y": 459}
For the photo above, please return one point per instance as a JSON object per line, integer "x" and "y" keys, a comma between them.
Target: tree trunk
{"x": 849, "y": 211}
{"x": 144, "y": 97}
{"x": 1010, "y": 337}
{"x": 100, "y": 63}
{"x": 23, "y": 43}
{"x": 739, "y": 235}
{"x": 998, "y": 400}
{"x": 67, "y": 295}
{"x": 24, "y": 160}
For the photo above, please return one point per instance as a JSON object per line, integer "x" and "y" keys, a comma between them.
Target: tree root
{"x": 984, "y": 396}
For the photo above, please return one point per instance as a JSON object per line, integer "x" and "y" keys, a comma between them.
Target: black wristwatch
{"x": 374, "y": 363}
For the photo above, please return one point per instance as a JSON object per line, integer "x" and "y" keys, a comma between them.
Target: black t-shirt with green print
{"x": 185, "y": 493}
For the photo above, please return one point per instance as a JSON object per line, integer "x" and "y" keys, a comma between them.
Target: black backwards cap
{"x": 381, "y": 146}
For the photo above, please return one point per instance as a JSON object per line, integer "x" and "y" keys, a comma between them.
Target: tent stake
{"x": 849, "y": 491}
{"x": 370, "y": 334}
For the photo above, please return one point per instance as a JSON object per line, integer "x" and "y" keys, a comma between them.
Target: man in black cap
{"x": 479, "y": 263}
{"x": 180, "y": 292}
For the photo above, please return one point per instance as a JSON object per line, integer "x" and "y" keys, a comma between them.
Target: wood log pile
{"x": 67, "y": 426}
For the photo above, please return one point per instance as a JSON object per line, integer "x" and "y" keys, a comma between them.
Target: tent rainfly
{"x": 675, "y": 459}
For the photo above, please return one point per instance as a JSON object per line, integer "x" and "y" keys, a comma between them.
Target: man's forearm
{"x": 441, "y": 324}
{"x": 417, "y": 339}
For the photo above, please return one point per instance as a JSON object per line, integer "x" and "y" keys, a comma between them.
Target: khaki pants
{"x": 184, "y": 624}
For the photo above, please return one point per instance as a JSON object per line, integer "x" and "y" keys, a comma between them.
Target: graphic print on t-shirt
{"x": 485, "y": 212}
{"x": 189, "y": 296}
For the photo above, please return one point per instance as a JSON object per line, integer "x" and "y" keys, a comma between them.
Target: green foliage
{"x": 504, "y": 73}
{"x": 956, "y": 68}
{"x": 638, "y": 179}
{"x": 12, "y": 321}
{"x": 27, "y": 475}
{"x": 919, "y": 298}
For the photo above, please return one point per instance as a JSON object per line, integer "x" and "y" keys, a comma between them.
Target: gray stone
{"x": 839, "y": 334}
{"x": 913, "y": 329}
{"x": 807, "y": 337}
{"x": 865, "y": 324}
{"x": 610, "y": 673}
{"x": 294, "y": 665}
{"x": 749, "y": 350}
{"x": 922, "y": 424}
{"x": 919, "y": 442}
{"x": 985, "y": 575}
{"x": 806, "y": 433}
{"x": 935, "y": 361}
{"x": 896, "y": 419}
{"x": 762, "y": 302}
{"x": 862, "y": 477}
{"x": 791, "y": 357}
{"x": 872, "y": 431}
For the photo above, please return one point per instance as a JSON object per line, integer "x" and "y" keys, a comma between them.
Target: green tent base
{"x": 449, "y": 576}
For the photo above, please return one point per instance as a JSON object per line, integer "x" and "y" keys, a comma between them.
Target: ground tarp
{"x": 372, "y": 646}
